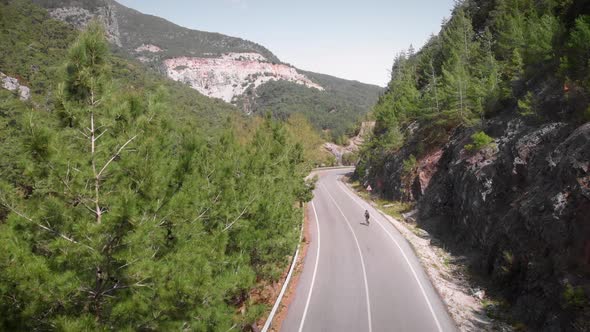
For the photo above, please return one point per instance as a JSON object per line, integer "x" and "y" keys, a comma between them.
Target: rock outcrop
{"x": 354, "y": 143}
{"x": 238, "y": 71}
{"x": 148, "y": 48}
{"x": 527, "y": 207}
{"x": 80, "y": 17}
{"x": 12, "y": 84}
{"x": 231, "y": 74}
{"x": 520, "y": 207}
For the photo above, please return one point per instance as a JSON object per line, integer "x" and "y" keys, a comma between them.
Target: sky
{"x": 351, "y": 39}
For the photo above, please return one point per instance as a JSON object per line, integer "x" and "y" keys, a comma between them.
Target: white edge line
{"x": 319, "y": 169}
{"x": 360, "y": 254}
{"x": 315, "y": 269}
{"x": 405, "y": 257}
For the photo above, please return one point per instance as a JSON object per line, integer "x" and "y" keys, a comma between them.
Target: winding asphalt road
{"x": 359, "y": 277}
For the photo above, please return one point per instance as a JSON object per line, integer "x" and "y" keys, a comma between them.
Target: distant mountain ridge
{"x": 224, "y": 67}
{"x": 131, "y": 29}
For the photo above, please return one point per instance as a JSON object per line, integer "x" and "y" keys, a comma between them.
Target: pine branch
{"x": 81, "y": 199}
{"x": 118, "y": 153}
{"x": 239, "y": 216}
{"x": 52, "y": 231}
{"x": 83, "y": 134}
{"x": 97, "y": 137}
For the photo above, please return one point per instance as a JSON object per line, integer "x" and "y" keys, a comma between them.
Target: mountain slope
{"x": 131, "y": 29}
{"x": 335, "y": 111}
{"x": 223, "y": 67}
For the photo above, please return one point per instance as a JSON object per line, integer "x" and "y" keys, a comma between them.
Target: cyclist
{"x": 367, "y": 216}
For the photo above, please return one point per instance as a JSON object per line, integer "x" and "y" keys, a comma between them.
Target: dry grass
{"x": 392, "y": 208}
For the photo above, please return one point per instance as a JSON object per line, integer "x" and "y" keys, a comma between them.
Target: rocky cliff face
{"x": 521, "y": 207}
{"x": 80, "y": 17}
{"x": 231, "y": 74}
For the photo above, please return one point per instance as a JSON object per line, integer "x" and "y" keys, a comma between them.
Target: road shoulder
{"x": 465, "y": 304}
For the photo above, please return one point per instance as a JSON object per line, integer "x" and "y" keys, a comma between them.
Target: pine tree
{"x": 399, "y": 105}
{"x": 513, "y": 73}
{"x": 540, "y": 33}
{"x": 459, "y": 93}
{"x": 429, "y": 82}
{"x": 509, "y": 26}
{"x": 433, "y": 88}
{"x": 578, "y": 51}
{"x": 490, "y": 69}
{"x": 486, "y": 74}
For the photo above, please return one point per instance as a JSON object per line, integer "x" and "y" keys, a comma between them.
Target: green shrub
{"x": 393, "y": 139}
{"x": 410, "y": 165}
{"x": 480, "y": 141}
{"x": 525, "y": 105}
{"x": 341, "y": 140}
{"x": 585, "y": 116}
{"x": 350, "y": 158}
{"x": 574, "y": 297}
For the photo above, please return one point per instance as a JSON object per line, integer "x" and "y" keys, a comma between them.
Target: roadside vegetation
{"x": 392, "y": 208}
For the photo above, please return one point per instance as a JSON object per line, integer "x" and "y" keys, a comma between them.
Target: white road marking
{"x": 360, "y": 254}
{"x": 315, "y": 269}
{"x": 403, "y": 254}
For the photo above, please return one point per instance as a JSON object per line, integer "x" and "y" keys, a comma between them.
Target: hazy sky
{"x": 347, "y": 38}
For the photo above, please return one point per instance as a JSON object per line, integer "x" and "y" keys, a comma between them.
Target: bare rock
{"x": 80, "y": 17}
{"x": 526, "y": 212}
{"x": 12, "y": 84}
{"x": 353, "y": 143}
{"x": 410, "y": 215}
{"x": 231, "y": 74}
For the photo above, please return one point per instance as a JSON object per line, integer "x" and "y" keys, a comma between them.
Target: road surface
{"x": 359, "y": 277}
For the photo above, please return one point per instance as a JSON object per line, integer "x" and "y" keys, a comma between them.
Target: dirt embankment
{"x": 268, "y": 293}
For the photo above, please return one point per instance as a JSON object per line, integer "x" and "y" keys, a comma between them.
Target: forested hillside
{"x": 517, "y": 56}
{"x": 129, "y": 202}
{"x": 486, "y": 129}
{"x": 334, "y": 112}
